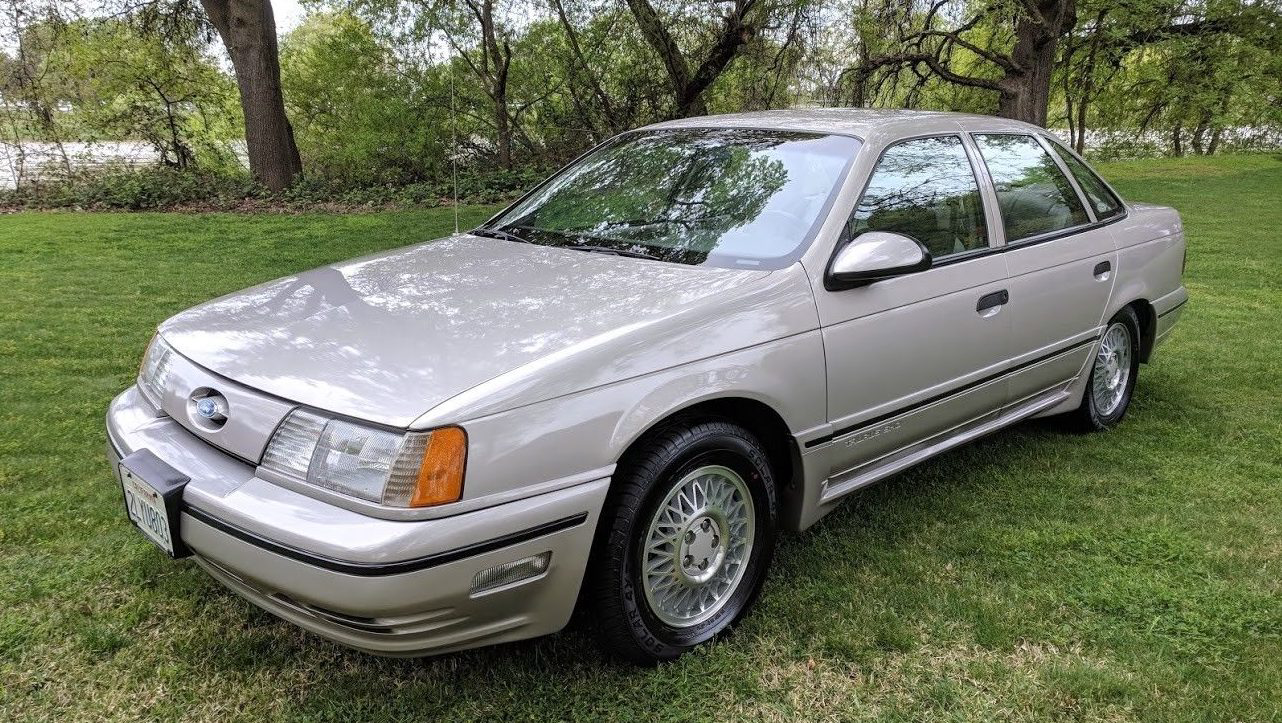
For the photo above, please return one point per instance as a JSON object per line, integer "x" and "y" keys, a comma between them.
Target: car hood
{"x": 387, "y": 337}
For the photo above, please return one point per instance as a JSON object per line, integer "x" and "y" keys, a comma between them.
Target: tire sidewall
{"x": 659, "y": 639}
{"x": 1130, "y": 322}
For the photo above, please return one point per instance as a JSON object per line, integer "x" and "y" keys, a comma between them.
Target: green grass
{"x": 1126, "y": 575}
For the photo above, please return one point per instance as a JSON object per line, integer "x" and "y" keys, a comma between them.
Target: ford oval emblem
{"x": 212, "y": 408}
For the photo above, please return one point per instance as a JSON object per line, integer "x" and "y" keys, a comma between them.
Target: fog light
{"x": 499, "y": 576}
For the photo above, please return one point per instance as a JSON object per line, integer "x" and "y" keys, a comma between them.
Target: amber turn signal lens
{"x": 440, "y": 476}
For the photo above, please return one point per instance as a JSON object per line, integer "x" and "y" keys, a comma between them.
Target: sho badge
{"x": 868, "y": 434}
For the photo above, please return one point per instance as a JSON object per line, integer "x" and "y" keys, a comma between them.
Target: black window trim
{"x": 1042, "y": 238}
{"x": 1056, "y": 148}
{"x": 985, "y": 181}
{"x": 992, "y": 247}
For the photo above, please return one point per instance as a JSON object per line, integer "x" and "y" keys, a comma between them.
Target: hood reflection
{"x": 387, "y": 337}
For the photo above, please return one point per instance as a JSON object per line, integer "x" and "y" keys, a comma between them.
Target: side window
{"x": 1034, "y": 196}
{"x": 924, "y": 189}
{"x": 1106, "y": 205}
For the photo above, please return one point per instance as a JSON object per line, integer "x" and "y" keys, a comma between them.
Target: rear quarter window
{"x": 1103, "y": 202}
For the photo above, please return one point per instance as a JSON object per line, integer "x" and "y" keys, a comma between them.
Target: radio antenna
{"x": 453, "y": 137}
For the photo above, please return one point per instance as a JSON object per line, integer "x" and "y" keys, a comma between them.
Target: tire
{"x": 1103, "y": 407}
{"x": 645, "y": 620}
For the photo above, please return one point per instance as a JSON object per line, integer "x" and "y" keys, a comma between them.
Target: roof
{"x": 862, "y": 122}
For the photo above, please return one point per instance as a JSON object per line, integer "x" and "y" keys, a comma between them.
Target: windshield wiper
{"x": 617, "y": 252}
{"x": 594, "y": 248}
{"x": 500, "y": 234}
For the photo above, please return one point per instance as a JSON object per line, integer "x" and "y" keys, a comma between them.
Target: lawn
{"x": 1123, "y": 576}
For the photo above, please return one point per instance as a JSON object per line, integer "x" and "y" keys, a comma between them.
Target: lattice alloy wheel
{"x": 1112, "y": 368}
{"x": 1112, "y": 373}
{"x": 698, "y": 545}
{"x": 686, "y": 536}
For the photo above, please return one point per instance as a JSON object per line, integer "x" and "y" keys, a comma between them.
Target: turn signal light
{"x": 440, "y": 475}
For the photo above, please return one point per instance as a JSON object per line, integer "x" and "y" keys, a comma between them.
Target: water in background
{"x": 43, "y": 161}
{"x": 37, "y": 161}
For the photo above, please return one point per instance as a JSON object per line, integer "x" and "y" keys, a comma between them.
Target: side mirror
{"x": 874, "y": 255}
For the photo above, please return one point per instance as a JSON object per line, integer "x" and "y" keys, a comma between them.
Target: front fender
{"x": 569, "y": 439}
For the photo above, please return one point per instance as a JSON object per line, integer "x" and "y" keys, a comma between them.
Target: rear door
{"x": 1060, "y": 256}
{"x": 910, "y": 357}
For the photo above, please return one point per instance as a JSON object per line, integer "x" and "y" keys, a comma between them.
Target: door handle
{"x": 988, "y": 301}
{"x": 1102, "y": 268}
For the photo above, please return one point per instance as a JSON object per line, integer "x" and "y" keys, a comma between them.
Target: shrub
{"x": 160, "y": 188}
{"x": 142, "y": 189}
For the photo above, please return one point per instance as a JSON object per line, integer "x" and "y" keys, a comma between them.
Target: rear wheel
{"x": 1113, "y": 372}
{"x": 684, "y": 541}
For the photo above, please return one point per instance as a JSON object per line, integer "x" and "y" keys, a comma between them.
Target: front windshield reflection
{"x": 731, "y": 197}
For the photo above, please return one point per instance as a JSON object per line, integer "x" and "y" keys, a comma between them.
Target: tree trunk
{"x": 493, "y": 67}
{"x": 1024, "y": 96}
{"x": 1216, "y": 136}
{"x": 1088, "y": 81}
{"x": 1217, "y": 133}
{"x": 1177, "y": 141}
{"x": 501, "y": 54}
{"x": 502, "y": 128}
{"x": 248, "y": 29}
{"x": 1199, "y": 133}
{"x": 1079, "y": 143}
{"x": 1025, "y": 89}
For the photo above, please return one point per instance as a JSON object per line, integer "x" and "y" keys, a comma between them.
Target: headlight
{"x": 413, "y": 469}
{"x": 153, "y": 374}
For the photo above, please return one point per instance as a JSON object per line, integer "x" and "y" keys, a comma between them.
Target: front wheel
{"x": 685, "y": 539}
{"x": 1113, "y": 372}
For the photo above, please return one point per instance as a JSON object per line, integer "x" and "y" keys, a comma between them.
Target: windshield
{"x": 729, "y": 197}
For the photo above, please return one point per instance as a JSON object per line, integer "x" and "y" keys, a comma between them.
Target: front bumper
{"x": 383, "y": 586}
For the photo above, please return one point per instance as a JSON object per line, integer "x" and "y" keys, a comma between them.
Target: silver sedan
{"x": 619, "y": 390}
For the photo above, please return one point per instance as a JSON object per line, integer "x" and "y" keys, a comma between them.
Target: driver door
{"x": 911, "y": 357}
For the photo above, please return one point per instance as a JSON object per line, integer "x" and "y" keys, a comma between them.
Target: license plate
{"x": 146, "y": 509}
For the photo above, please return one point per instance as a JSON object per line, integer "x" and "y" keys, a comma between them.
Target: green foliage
{"x": 473, "y": 188}
{"x": 1155, "y": 78}
{"x": 88, "y": 80}
{"x": 158, "y": 187}
{"x": 361, "y": 117}
{"x": 164, "y": 90}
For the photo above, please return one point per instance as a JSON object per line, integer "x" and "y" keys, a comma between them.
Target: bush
{"x": 159, "y": 188}
{"x": 134, "y": 190}
{"x": 491, "y": 187}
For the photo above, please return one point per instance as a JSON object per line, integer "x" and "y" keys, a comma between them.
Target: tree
{"x": 1188, "y": 72}
{"x": 37, "y": 34}
{"x": 248, "y": 30}
{"x": 161, "y": 88}
{"x": 1006, "y": 47}
{"x": 361, "y": 116}
{"x": 689, "y": 81}
{"x": 582, "y": 69}
{"x": 491, "y": 64}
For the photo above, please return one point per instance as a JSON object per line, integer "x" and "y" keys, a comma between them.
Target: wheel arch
{"x": 755, "y": 415}
{"x": 1147, "y": 316}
